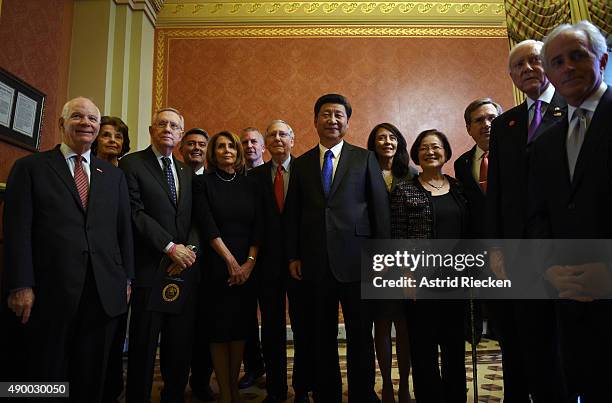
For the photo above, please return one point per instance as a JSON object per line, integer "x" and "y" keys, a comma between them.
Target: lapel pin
{"x": 99, "y": 170}
{"x": 511, "y": 123}
{"x": 557, "y": 112}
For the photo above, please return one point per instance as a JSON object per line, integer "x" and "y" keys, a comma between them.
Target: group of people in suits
{"x": 194, "y": 246}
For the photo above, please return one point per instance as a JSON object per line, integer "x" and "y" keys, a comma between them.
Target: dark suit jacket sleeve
{"x": 124, "y": 229}
{"x": 204, "y": 219}
{"x": 146, "y": 226}
{"x": 378, "y": 200}
{"x": 492, "y": 201}
{"x": 538, "y": 225}
{"x": 18, "y": 214}
{"x": 291, "y": 217}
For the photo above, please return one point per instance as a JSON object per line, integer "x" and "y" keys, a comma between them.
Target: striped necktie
{"x": 81, "y": 181}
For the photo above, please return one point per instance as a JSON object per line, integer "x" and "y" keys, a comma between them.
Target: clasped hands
{"x": 238, "y": 274}
{"x": 182, "y": 256}
{"x": 583, "y": 282}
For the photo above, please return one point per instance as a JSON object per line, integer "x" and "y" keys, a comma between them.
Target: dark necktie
{"x": 169, "y": 177}
{"x": 484, "y": 167}
{"x": 326, "y": 173}
{"x": 279, "y": 188}
{"x": 535, "y": 121}
{"x": 81, "y": 181}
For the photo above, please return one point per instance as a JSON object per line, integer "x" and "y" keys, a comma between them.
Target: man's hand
{"x": 295, "y": 269}
{"x": 585, "y": 282}
{"x": 182, "y": 256}
{"x": 174, "y": 270}
{"x": 21, "y": 302}
{"x": 496, "y": 263}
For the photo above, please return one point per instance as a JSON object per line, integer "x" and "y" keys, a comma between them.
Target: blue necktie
{"x": 169, "y": 177}
{"x": 326, "y": 173}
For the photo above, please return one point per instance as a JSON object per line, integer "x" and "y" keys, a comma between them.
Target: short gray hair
{"x": 537, "y": 44}
{"x": 280, "y": 121}
{"x": 252, "y": 129}
{"x": 67, "y": 105}
{"x": 597, "y": 42}
{"x": 168, "y": 109}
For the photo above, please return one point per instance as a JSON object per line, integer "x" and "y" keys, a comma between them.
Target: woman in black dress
{"x": 390, "y": 147}
{"x": 433, "y": 206}
{"x": 226, "y": 209}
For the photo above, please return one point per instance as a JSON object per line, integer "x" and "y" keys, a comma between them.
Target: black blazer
{"x": 272, "y": 261}
{"x": 580, "y": 208}
{"x": 50, "y": 239}
{"x": 506, "y": 205}
{"x": 473, "y": 193}
{"x": 157, "y": 220}
{"x": 329, "y": 232}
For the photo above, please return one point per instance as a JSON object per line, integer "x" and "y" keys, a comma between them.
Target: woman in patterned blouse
{"x": 433, "y": 206}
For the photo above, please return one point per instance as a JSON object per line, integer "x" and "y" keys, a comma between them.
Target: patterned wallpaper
{"x": 414, "y": 83}
{"x": 35, "y": 46}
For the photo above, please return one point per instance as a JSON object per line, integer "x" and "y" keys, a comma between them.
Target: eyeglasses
{"x": 163, "y": 123}
{"x": 282, "y": 135}
{"x": 433, "y": 148}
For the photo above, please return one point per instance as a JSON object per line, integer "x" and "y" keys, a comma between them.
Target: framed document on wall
{"x": 21, "y": 112}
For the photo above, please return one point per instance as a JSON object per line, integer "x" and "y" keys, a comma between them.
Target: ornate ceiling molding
{"x": 193, "y": 12}
{"x": 164, "y": 37}
{"x": 150, "y": 7}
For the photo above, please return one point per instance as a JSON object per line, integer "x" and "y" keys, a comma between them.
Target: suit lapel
{"x": 468, "y": 166}
{"x": 268, "y": 184}
{"x": 341, "y": 168}
{"x": 152, "y": 165}
{"x": 313, "y": 164}
{"x": 557, "y": 110}
{"x": 594, "y": 136}
{"x": 60, "y": 167}
{"x": 183, "y": 178}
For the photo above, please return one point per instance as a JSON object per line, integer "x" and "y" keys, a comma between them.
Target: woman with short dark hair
{"x": 113, "y": 140}
{"x": 433, "y": 206}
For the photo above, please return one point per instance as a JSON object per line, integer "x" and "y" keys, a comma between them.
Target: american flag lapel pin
{"x": 511, "y": 123}
{"x": 557, "y": 112}
{"x": 99, "y": 170}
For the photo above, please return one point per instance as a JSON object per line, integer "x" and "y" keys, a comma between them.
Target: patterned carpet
{"x": 489, "y": 370}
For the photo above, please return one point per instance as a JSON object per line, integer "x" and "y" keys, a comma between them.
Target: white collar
{"x": 68, "y": 153}
{"x": 336, "y": 150}
{"x": 589, "y": 104}
{"x": 546, "y": 96}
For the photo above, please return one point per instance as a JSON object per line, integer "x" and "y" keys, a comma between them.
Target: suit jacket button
{"x": 571, "y": 206}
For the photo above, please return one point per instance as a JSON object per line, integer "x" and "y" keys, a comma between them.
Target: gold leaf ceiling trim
{"x": 165, "y": 35}
{"x": 192, "y": 12}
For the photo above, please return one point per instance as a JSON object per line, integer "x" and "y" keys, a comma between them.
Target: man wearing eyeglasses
{"x": 160, "y": 195}
{"x": 531, "y": 364}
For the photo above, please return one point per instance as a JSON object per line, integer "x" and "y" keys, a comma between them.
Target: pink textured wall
{"x": 414, "y": 83}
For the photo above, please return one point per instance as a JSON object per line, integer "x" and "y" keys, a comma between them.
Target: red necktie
{"x": 80, "y": 178}
{"x": 484, "y": 166}
{"x": 279, "y": 188}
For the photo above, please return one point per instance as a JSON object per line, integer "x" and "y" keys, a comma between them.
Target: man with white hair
{"x": 68, "y": 255}
{"x": 531, "y": 364}
{"x": 570, "y": 198}
{"x": 160, "y": 195}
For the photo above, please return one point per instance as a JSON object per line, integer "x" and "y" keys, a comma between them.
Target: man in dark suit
{"x": 570, "y": 197}
{"x": 337, "y": 199}
{"x": 273, "y": 273}
{"x": 526, "y": 328}
{"x": 193, "y": 150}
{"x": 69, "y": 255}
{"x": 471, "y": 167}
{"x": 160, "y": 195}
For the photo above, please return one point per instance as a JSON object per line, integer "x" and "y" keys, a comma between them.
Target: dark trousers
{"x": 114, "y": 382}
{"x": 253, "y": 359}
{"x": 303, "y": 350}
{"x": 432, "y": 324}
{"x": 325, "y": 295}
{"x": 72, "y": 347}
{"x": 201, "y": 361}
{"x": 272, "y": 302}
{"x": 175, "y": 349}
{"x": 585, "y": 329}
{"x": 528, "y": 337}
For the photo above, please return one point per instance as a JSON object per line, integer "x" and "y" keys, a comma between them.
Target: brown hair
{"x": 211, "y": 159}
